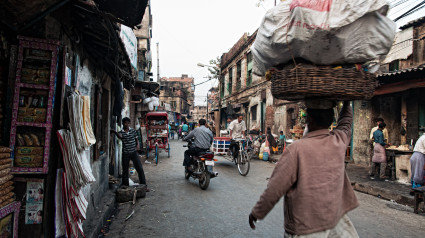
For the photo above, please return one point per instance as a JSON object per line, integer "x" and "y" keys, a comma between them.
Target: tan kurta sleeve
{"x": 283, "y": 177}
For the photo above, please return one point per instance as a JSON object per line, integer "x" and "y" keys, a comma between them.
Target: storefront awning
{"x": 400, "y": 81}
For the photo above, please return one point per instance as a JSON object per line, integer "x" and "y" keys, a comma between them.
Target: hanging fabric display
{"x": 91, "y": 139}
{"x": 75, "y": 144}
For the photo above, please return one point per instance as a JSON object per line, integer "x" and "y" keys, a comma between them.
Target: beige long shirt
{"x": 385, "y": 131}
{"x": 311, "y": 176}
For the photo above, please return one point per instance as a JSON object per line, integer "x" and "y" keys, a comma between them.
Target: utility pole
{"x": 207, "y": 107}
{"x": 157, "y": 53}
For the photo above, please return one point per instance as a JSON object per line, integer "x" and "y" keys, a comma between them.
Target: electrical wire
{"x": 412, "y": 10}
{"x": 401, "y": 8}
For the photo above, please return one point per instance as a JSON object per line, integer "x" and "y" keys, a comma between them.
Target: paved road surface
{"x": 178, "y": 208}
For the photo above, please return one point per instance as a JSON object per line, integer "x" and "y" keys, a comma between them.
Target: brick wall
{"x": 269, "y": 116}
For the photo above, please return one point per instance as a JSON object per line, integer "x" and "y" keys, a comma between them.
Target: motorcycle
{"x": 184, "y": 134}
{"x": 202, "y": 167}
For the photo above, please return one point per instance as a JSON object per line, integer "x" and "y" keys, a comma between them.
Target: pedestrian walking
{"x": 311, "y": 176}
{"x": 130, "y": 145}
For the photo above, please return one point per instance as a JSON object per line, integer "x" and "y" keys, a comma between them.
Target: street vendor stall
{"x": 400, "y": 164}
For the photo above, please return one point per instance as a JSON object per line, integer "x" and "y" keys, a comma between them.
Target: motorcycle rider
{"x": 203, "y": 140}
{"x": 185, "y": 127}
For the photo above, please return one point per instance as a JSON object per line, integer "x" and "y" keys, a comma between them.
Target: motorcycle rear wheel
{"x": 186, "y": 174}
{"x": 204, "y": 181}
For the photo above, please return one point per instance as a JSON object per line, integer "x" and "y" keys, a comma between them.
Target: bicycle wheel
{"x": 156, "y": 154}
{"x": 168, "y": 150}
{"x": 243, "y": 163}
{"x": 147, "y": 150}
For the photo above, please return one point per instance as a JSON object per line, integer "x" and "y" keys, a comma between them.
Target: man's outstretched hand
{"x": 252, "y": 220}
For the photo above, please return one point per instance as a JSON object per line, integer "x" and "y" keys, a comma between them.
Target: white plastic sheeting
{"x": 323, "y": 32}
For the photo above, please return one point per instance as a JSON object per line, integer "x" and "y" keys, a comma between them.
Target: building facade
{"x": 178, "y": 93}
{"x": 398, "y": 100}
{"x": 199, "y": 112}
{"x": 243, "y": 93}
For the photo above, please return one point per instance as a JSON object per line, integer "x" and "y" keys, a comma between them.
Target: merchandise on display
{"x": 6, "y": 184}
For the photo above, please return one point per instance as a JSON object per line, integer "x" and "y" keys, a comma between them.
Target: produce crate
{"x": 221, "y": 145}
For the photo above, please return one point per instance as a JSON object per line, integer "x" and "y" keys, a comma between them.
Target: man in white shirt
{"x": 237, "y": 130}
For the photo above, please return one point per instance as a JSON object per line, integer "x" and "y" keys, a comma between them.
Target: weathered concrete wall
{"x": 279, "y": 119}
{"x": 365, "y": 112}
{"x": 363, "y": 122}
{"x": 100, "y": 166}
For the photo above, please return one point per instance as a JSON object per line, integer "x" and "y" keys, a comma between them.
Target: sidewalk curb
{"x": 107, "y": 209}
{"x": 383, "y": 193}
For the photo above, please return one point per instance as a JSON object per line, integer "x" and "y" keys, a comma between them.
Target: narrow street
{"x": 179, "y": 208}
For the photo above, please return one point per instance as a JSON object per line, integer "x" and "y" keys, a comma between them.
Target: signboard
{"x": 34, "y": 205}
{"x": 130, "y": 43}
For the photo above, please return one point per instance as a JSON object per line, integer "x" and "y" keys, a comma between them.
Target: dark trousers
{"x": 137, "y": 165}
{"x": 234, "y": 148}
{"x": 191, "y": 152}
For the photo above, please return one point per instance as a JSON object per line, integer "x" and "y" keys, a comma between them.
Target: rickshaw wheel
{"x": 156, "y": 154}
{"x": 147, "y": 150}
{"x": 168, "y": 150}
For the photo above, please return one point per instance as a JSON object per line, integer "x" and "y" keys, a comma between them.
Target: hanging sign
{"x": 130, "y": 43}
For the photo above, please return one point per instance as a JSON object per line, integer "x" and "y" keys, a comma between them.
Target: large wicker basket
{"x": 327, "y": 82}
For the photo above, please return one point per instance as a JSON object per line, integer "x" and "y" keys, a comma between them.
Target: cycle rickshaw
{"x": 157, "y": 133}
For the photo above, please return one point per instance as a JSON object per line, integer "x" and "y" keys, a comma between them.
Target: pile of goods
{"x": 36, "y": 66}
{"x": 400, "y": 147}
{"x": 152, "y": 102}
{"x": 6, "y": 183}
{"x": 32, "y": 106}
{"x": 318, "y": 48}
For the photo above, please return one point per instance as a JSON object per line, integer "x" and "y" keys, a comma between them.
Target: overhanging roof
{"x": 19, "y": 14}
{"x": 126, "y": 12}
{"x": 415, "y": 22}
{"x": 400, "y": 81}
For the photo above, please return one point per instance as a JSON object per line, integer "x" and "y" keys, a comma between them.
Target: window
{"x": 249, "y": 69}
{"x": 162, "y": 103}
{"x": 173, "y": 104}
{"x": 394, "y": 66}
{"x": 238, "y": 75}
{"x": 229, "y": 86}
{"x": 254, "y": 113}
{"x": 222, "y": 88}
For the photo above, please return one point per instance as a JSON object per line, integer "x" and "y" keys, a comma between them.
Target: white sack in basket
{"x": 324, "y": 32}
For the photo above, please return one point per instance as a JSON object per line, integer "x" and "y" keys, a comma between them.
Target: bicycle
{"x": 242, "y": 158}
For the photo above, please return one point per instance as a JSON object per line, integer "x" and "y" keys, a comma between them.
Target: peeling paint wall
{"x": 363, "y": 123}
